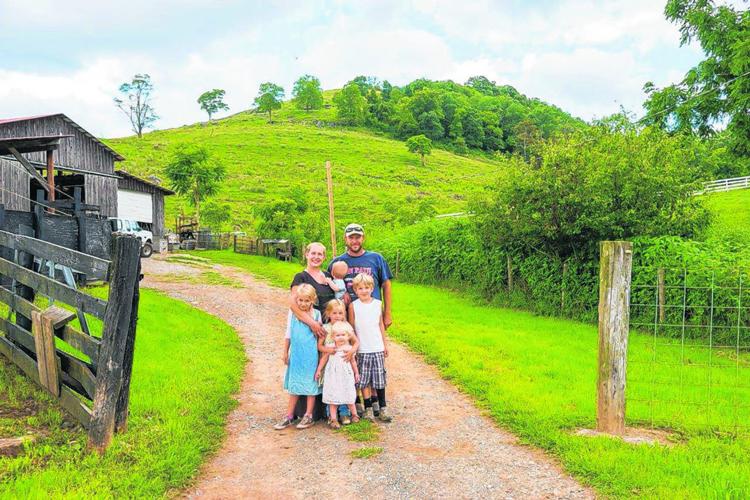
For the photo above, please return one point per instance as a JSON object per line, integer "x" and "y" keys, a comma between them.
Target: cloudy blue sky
{"x": 588, "y": 57}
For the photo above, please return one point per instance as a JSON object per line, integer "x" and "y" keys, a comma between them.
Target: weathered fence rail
{"x": 89, "y": 376}
{"x": 726, "y": 185}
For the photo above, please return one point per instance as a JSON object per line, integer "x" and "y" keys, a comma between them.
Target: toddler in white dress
{"x": 340, "y": 376}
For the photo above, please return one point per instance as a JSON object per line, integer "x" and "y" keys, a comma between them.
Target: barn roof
{"x": 114, "y": 153}
{"x": 126, "y": 175}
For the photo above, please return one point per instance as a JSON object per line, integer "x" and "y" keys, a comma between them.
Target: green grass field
{"x": 373, "y": 176}
{"x": 177, "y": 413}
{"x": 731, "y": 215}
{"x": 537, "y": 377}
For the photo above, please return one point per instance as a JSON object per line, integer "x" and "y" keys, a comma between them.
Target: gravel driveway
{"x": 438, "y": 446}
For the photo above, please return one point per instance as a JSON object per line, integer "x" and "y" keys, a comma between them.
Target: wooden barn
{"x": 77, "y": 160}
{"x": 51, "y": 162}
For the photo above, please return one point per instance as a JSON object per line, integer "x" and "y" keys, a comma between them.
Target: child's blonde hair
{"x": 307, "y": 291}
{"x": 342, "y": 326}
{"x": 363, "y": 280}
{"x": 331, "y": 305}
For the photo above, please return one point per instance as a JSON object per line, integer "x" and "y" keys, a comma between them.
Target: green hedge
{"x": 698, "y": 274}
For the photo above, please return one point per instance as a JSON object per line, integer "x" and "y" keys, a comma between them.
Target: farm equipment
{"x": 186, "y": 227}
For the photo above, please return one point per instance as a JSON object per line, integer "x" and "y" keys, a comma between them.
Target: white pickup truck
{"x": 132, "y": 227}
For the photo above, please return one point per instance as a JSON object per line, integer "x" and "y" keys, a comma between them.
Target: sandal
{"x": 355, "y": 419}
{"x": 334, "y": 424}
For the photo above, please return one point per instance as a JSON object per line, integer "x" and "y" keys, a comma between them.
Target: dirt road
{"x": 438, "y": 446}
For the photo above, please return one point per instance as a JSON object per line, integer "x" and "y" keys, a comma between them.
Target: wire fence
{"x": 689, "y": 349}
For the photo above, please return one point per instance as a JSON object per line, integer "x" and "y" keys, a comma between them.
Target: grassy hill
{"x": 731, "y": 215}
{"x": 374, "y": 177}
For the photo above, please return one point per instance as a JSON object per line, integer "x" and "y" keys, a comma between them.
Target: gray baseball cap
{"x": 354, "y": 229}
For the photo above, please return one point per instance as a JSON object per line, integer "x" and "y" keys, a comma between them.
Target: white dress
{"x": 338, "y": 381}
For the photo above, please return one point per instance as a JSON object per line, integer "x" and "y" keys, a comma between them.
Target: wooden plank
{"x": 29, "y": 167}
{"x": 51, "y": 288}
{"x": 25, "y": 260}
{"x": 77, "y": 369}
{"x": 614, "y": 322}
{"x": 75, "y": 406}
{"x": 84, "y": 263}
{"x": 123, "y": 400}
{"x": 44, "y": 347}
{"x": 78, "y": 340}
{"x": 125, "y": 261}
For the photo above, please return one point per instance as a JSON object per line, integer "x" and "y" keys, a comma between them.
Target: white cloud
{"x": 580, "y": 55}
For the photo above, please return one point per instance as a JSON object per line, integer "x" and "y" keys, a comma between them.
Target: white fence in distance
{"x": 726, "y": 185}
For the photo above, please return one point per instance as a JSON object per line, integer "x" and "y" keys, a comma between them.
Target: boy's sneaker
{"x": 376, "y": 408}
{"x": 384, "y": 417}
{"x": 368, "y": 415}
{"x": 284, "y": 423}
{"x": 346, "y": 420}
{"x": 306, "y": 422}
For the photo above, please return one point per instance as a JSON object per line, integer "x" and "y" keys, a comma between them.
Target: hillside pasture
{"x": 374, "y": 177}
{"x": 537, "y": 377}
{"x": 730, "y": 215}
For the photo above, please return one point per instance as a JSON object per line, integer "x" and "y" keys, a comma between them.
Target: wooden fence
{"x": 726, "y": 185}
{"x": 89, "y": 376}
{"x": 213, "y": 241}
{"x": 281, "y": 249}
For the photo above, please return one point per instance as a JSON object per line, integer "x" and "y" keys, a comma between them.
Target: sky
{"x": 587, "y": 57}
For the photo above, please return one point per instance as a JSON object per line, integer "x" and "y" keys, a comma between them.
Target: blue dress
{"x": 303, "y": 358}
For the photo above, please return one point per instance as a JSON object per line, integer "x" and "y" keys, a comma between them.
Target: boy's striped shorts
{"x": 371, "y": 366}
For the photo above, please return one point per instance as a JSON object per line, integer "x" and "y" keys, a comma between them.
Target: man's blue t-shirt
{"x": 371, "y": 263}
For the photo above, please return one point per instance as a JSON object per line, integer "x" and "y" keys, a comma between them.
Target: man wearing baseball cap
{"x": 361, "y": 261}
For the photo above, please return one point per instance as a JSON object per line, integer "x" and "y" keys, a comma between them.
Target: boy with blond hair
{"x": 366, "y": 315}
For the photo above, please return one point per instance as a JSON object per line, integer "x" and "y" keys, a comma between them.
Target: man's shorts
{"x": 371, "y": 366}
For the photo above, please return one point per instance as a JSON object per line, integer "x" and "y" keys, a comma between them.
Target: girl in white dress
{"x": 340, "y": 375}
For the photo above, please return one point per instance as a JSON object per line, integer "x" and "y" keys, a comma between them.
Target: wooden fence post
{"x": 398, "y": 262}
{"x": 615, "y": 266}
{"x": 562, "y": 286}
{"x": 123, "y": 400}
{"x": 117, "y": 322}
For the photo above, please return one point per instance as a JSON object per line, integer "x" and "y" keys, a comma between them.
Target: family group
{"x": 335, "y": 344}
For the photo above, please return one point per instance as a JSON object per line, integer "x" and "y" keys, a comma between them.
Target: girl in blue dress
{"x": 301, "y": 357}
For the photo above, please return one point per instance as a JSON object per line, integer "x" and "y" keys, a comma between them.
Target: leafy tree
{"x": 136, "y": 103}
{"x": 420, "y": 145}
{"x": 307, "y": 93}
{"x": 269, "y": 98}
{"x": 482, "y": 84}
{"x": 621, "y": 185}
{"x": 212, "y": 101}
{"x": 365, "y": 83}
{"x": 351, "y": 105}
{"x": 193, "y": 173}
{"x": 527, "y": 135}
{"x": 215, "y": 215}
{"x": 716, "y": 92}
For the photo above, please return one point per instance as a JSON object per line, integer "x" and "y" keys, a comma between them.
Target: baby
{"x": 339, "y": 271}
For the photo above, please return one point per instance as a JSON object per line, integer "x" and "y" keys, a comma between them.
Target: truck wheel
{"x": 146, "y": 250}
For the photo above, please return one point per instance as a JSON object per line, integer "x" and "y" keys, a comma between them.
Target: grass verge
{"x": 177, "y": 413}
{"x": 367, "y": 452}
{"x": 361, "y": 432}
{"x": 537, "y": 377}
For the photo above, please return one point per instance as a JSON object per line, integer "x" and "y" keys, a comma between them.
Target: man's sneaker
{"x": 368, "y": 415}
{"x": 376, "y": 408}
{"x": 284, "y": 423}
{"x": 306, "y": 422}
{"x": 346, "y": 420}
{"x": 384, "y": 417}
